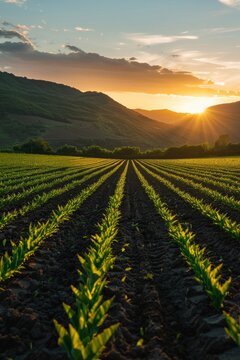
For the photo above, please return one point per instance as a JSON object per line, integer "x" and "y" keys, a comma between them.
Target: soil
{"x": 163, "y": 313}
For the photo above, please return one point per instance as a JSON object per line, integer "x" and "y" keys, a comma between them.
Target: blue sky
{"x": 190, "y": 37}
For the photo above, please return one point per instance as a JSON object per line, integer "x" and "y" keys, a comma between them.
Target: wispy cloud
{"x": 222, "y": 64}
{"x": 73, "y": 48}
{"x": 11, "y": 34}
{"x": 22, "y": 27}
{"x": 15, "y": 2}
{"x": 223, "y": 30}
{"x": 146, "y": 39}
{"x": 232, "y": 3}
{"x": 80, "y": 28}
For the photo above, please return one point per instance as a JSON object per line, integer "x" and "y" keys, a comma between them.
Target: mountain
{"x": 61, "y": 114}
{"x": 205, "y": 127}
{"x": 166, "y": 116}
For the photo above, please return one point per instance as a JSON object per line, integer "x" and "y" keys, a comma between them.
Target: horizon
{"x": 165, "y": 63}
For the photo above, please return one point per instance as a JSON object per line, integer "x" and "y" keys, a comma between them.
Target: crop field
{"x": 116, "y": 259}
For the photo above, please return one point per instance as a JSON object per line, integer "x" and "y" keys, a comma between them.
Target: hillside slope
{"x": 61, "y": 114}
{"x": 163, "y": 115}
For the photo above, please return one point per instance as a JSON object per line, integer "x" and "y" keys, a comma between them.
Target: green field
{"x": 117, "y": 259}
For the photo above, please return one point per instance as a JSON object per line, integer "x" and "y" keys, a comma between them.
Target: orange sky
{"x": 178, "y": 103}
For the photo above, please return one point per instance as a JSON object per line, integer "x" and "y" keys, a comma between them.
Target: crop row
{"x": 32, "y": 181}
{"x": 9, "y": 176}
{"x": 216, "y": 195}
{"x": 15, "y": 197}
{"x": 12, "y": 263}
{"x": 222, "y": 175}
{"x": 204, "y": 271}
{"x": 230, "y": 165}
{"x": 38, "y": 161}
{"x": 84, "y": 339}
{"x": 24, "y": 183}
{"x": 203, "y": 178}
{"x": 218, "y": 218}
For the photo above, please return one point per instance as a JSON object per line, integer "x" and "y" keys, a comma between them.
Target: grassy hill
{"x": 61, "y": 114}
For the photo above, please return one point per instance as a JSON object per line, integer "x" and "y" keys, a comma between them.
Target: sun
{"x": 198, "y": 105}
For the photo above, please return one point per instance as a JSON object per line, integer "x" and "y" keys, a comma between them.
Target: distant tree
{"x": 96, "y": 151}
{"x": 68, "y": 150}
{"x": 128, "y": 152}
{"x": 34, "y": 146}
{"x": 153, "y": 154}
{"x": 171, "y": 153}
{"x": 186, "y": 151}
{"x": 222, "y": 141}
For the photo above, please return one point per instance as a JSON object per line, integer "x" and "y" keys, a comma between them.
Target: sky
{"x": 183, "y": 55}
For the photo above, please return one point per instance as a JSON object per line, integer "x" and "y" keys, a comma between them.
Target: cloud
{"x": 15, "y": 48}
{"x": 16, "y": 2}
{"x": 91, "y": 71}
{"x": 232, "y": 3}
{"x": 223, "y": 30}
{"x": 73, "y": 48}
{"x": 22, "y": 27}
{"x": 145, "y": 39}
{"x": 10, "y": 34}
{"x": 221, "y": 64}
{"x": 79, "y": 28}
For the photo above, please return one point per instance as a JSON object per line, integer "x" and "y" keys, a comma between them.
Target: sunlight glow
{"x": 198, "y": 105}
{"x": 178, "y": 103}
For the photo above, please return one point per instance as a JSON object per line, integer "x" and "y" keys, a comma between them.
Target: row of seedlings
{"x": 205, "y": 273}
{"x": 84, "y": 338}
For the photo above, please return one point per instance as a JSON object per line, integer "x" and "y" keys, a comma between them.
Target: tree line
{"x": 222, "y": 147}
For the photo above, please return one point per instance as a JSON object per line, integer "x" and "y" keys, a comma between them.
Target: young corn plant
{"x": 204, "y": 271}
{"x": 233, "y": 328}
{"x": 84, "y": 339}
{"x": 13, "y": 262}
